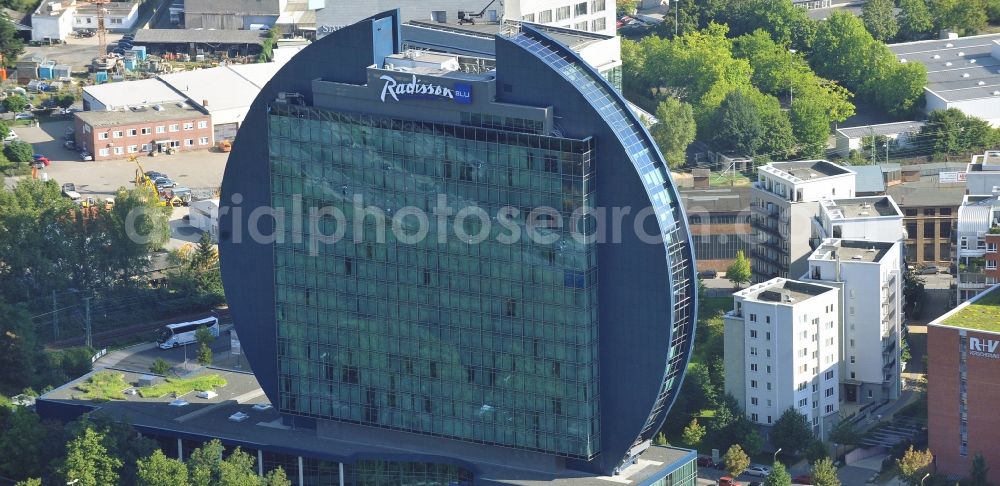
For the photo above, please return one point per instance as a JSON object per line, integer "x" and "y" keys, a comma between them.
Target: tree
{"x": 29, "y": 482}
{"x": 277, "y": 477}
{"x": 196, "y": 272}
{"x": 626, "y": 7}
{"x": 914, "y": 464}
{"x": 675, "y": 130}
{"x": 737, "y": 125}
{"x": 88, "y": 462}
{"x": 899, "y": 89}
{"x": 204, "y": 355}
{"x": 844, "y": 433}
{"x": 19, "y": 349}
{"x": 811, "y": 126}
{"x": 779, "y": 476}
{"x": 160, "y": 366}
{"x": 10, "y": 44}
{"x": 993, "y": 11}
{"x": 21, "y": 445}
{"x": 64, "y": 99}
{"x": 738, "y": 272}
{"x": 693, "y": 434}
{"x": 879, "y": 19}
{"x": 160, "y": 470}
{"x": 19, "y": 152}
{"x": 915, "y": 21}
{"x": 788, "y": 24}
{"x": 205, "y": 464}
{"x": 791, "y": 432}
{"x": 980, "y": 471}
{"x": 950, "y": 132}
{"x": 15, "y": 103}
{"x": 203, "y": 335}
{"x": 735, "y": 460}
{"x": 967, "y": 17}
{"x": 661, "y": 439}
{"x": 816, "y": 450}
{"x": 238, "y": 470}
{"x": 824, "y": 473}
{"x": 846, "y": 52}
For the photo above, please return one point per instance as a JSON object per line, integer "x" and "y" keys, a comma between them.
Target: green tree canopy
{"x": 824, "y": 473}
{"x": 64, "y": 99}
{"x": 879, "y": 19}
{"x": 788, "y": 24}
{"x": 951, "y": 131}
{"x": 205, "y": 464}
{"x": 19, "y": 152}
{"x": 779, "y": 476}
{"x": 915, "y": 21}
{"x": 238, "y": 470}
{"x": 737, "y": 125}
{"x": 22, "y": 445}
{"x": 675, "y": 131}
{"x": 19, "y": 349}
{"x": 738, "y": 272}
{"x": 844, "y": 433}
{"x": 693, "y": 433}
{"x": 14, "y": 103}
{"x": 736, "y": 461}
{"x": 791, "y": 432}
{"x": 966, "y": 17}
{"x": 277, "y": 477}
{"x": 914, "y": 464}
{"x": 159, "y": 470}
{"x": 88, "y": 461}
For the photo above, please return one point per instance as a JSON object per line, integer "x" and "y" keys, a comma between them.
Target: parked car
{"x": 708, "y": 274}
{"x": 759, "y": 471}
{"x": 705, "y": 461}
{"x": 85, "y": 156}
{"x": 11, "y": 136}
{"x": 929, "y": 270}
{"x": 24, "y": 116}
{"x": 728, "y": 481}
{"x": 69, "y": 144}
{"x": 802, "y": 479}
{"x": 162, "y": 182}
{"x": 152, "y": 174}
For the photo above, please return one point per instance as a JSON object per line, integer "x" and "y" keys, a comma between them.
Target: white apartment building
{"x": 868, "y": 275}
{"x": 873, "y": 218}
{"x": 784, "y": 201}
{"x": 56, "y": 19}
{"x": 983, "y": 173}
{"x": 782, "y": 346}
{"x": 586, "y": 15}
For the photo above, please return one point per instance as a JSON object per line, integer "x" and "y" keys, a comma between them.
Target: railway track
{"x": 111, "y": 336}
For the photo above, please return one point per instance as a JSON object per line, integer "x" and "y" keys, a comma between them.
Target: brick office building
{"x": 111, "y": 135}
{"x": 963, "y": 385}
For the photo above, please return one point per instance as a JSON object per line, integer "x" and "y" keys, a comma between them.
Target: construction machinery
{"x": 143, "y": 180}
{"x": 225, "y": 146}
{"x": 469, "y": 17}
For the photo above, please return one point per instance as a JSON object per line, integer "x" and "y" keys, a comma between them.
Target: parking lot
{"x": 200, "y": 170}
{"x": 77, "y": 52}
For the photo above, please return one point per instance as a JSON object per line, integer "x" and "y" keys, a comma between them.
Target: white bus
{"x": 182, "y": 333}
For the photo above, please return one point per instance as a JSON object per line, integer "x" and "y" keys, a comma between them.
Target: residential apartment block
{"x": 982, "y": 174}
{"x": 143, "y": 129}
{"x": 978, "y": 235}
{"x": 784, "y": 201}
{"x": 873, "y": 218}
{"x": 782, "y": 348}
{"x": 870, "y": 282}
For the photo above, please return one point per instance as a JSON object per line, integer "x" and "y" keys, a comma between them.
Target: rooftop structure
{"x": 117, "y": 96}
{"x": 782, "y": 290}
{"x": 203, "y": 419}
{"x": 806, "y": 170}
{"x": 138, "y": 114}
{"x": 860, "y": 207}
{"x": 961, "y": 73}
{"x": 854, "y": 250}
{"x": 198, "y": 36}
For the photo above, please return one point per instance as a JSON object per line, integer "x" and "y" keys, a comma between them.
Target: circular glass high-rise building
{"x": 487, "y": 252}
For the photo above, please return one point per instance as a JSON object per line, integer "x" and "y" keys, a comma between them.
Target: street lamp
{"x": 775, "y": 458}
{"x": 924, "y": 478}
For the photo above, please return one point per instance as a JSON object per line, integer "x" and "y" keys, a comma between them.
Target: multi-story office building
{"x": 873, "y": 218}
{"x": 963, "y": 366}
{"x": 499, "y": 336}
{"x": 867, "y": 273}
{"x": 784, "y": 201}
{"x": 596, "y": 16}
{"x": 930, "y": 211}
{"x": 978, "y": 235}
{"x": 782, "y": 347}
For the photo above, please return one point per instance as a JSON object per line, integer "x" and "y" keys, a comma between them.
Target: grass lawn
{"x": 983, "y": 314}
{"x": 104, "y": 386}
{"x": 731, "y": 179}
{"x": 182, "y": 386}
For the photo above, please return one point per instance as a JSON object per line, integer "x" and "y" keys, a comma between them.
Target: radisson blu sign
{"x": 394, "y": 90}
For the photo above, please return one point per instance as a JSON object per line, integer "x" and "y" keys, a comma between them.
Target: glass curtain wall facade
{"x": 483, "y": 341}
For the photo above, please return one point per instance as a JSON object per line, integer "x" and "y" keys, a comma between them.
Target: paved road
{"x": 140, "y": 357}
{"x": 199, "y": 170}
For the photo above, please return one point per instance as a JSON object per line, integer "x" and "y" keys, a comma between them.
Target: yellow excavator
{"x": 141, "y": 179}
